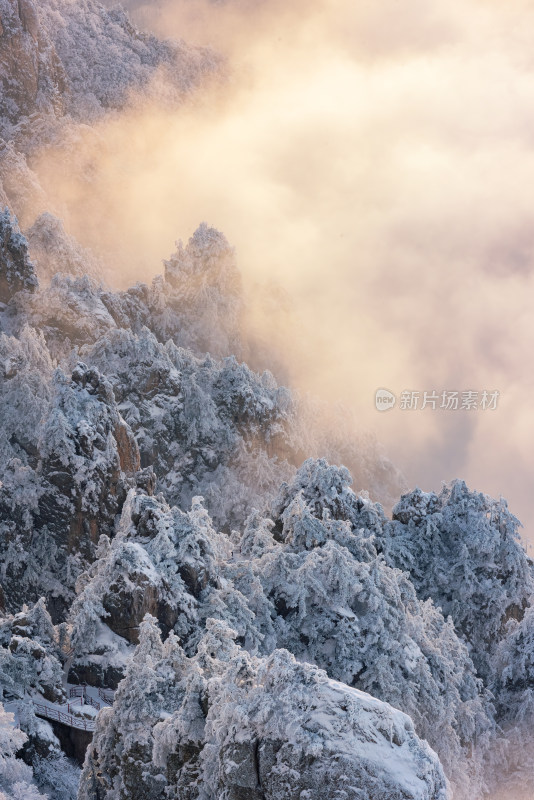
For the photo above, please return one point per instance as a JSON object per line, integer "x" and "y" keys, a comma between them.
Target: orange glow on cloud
{"x": 374, "y": 160}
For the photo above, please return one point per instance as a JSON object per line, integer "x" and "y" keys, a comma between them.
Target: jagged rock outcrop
{"x": 32, "y": 78}
{"x": 105, "y": 57}
{"x": 206, "y": 298}
{"x": 207, "y": 427}
{"x": 59, "y": 57}
{"x": 29, "y": 656}
{"x": 68, "y": 460}
{"x": 225, "y": 724}
{"x": 53, "y": 250}
{"x": 163, "y": 562}
{"x": 197, "y": 307}
{"x": 462, "y": 549}
{"x": 204, "y": 427}
{"x": 17, "y": 273}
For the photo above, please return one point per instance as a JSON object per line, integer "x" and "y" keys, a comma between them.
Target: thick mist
{"x": 375, "y": 165}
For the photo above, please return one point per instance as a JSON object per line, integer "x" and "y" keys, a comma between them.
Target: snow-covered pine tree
{"x": 225, "y": 724}
{"x": 462, "y": 549}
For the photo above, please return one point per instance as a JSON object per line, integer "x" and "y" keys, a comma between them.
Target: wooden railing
{"x": 90, "y": 702}
{"x": 106, "y": 696}
{"x": 43, "y": 710}
{"x": 80, "y": 691}
{"x": 78, "y": 701}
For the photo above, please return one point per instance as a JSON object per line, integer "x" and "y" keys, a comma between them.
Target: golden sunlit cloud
{"x": 375, "y": 161}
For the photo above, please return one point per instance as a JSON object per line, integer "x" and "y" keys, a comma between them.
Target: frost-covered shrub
{"x": 22, "y": 191}
{"x": 69, "y": 312}
{"x": 225, "y": 724}
{"x": 207, "y": 427}
{"x": 29, "y": 655}
{"x": 30, "y": 670}
{"x": 104, "y": 57}
{"x": 17, "y": 273}
{"x": 319, "y": 505}
{"x": 162, "y": 561}
{"x": 317, "y": 587}
{"x": 337, "y": 604}
{"x": 54, "y": 250}
{"x": 203, "y": 309}
{"x": 513, "y": 687}
{"x": 16, "y": 777}
{"x": 56, "y": 775}
{"x": 65, "y": 453}
{"x": 513, "y": 684}
{"x": 462, "y": 549}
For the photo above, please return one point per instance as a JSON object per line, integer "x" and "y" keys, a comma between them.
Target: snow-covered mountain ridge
{"x": 170, "y": 532}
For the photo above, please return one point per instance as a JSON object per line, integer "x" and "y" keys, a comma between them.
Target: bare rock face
{"x": 32, "y": 78}
{"x": 16, "y": 270}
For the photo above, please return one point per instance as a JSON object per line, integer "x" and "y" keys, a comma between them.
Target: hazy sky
{"x": 377, "y": 161}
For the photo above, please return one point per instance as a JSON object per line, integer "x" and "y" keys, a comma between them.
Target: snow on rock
{"x": 163, "y": 562}
{"x": 68, "y": 460}
{"x": 207, "y": 427}
{"x": 463, "y": 550}
{"x": 224, "y": 724}
{"x": 62, "y": 56}
{"x": 17, "y": 273}
{"x": 32, "y": 77}
{"x": 104, "y": 56}
{"x": 336, "y": 603}
{"x": 53, "y": 251}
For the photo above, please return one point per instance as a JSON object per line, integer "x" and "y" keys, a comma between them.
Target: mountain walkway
{"x": 79, "y": 711}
